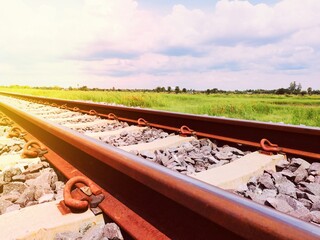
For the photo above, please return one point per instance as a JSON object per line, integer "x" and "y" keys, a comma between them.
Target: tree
{"x": 299, "y": 87}
{"x": 214, "y": 90}
{"x": 295, "y": 88}
{"x": 84, "y": 88}
{"x": 309, "y": 90}
{"x": 184, "y": 90}
{"x": 292, "y": 87}
{"x": 169, "y": 89}
{"x": 157, "y": 89}
{"x": 177, "y": 89}
{"x": 282, "y": 91}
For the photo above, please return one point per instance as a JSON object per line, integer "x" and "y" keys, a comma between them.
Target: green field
{"x": 289, "y": 109}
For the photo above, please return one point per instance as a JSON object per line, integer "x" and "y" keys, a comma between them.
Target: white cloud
{"x": 105, "y": 43}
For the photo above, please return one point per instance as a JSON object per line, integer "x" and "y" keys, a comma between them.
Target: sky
{"x": 203, "y": 44}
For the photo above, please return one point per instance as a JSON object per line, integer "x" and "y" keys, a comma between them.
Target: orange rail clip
{"x": 93, "y": 112}
{"x": 74, "y": 203}
{"x": 185, "y": 131}
{"x": 267, "y": 146}
{"x": 142, "y": 122}
{"x": 15, "y": 132}
{"x": 76, "y": 109}
{"x": 32, "y": 149}
{"x": 64, "y": 106}
{"x": 112, "y": 116}
{"x": 5, "y": 121}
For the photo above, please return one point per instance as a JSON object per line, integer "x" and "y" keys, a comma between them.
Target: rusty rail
{"x": 142, "y": 229}
{"x": 166, "y": 203}
{"x": 296, "y": 140}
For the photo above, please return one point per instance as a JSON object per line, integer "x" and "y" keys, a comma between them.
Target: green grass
{"x": 290, "y": 109}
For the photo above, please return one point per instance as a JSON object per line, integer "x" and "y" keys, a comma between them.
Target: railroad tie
{"x": 238, "y": 172}
{"x": 171, "y": 141}
{"x": 98, "y": 135}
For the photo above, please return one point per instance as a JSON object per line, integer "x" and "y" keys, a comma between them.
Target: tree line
{"x": 293, "y": 88}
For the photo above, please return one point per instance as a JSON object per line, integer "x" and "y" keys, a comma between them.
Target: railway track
{"x": 152, "y": 202}
{"x": 31, "y": 190}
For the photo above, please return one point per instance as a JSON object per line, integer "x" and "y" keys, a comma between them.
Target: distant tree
{"x": 169, "y": 89}
{"x": 214, "y": 90}
{"x": 292, "y": 87}
{"x": 184, "y": 90}
{"x": 295, "y": 88}
{"x": 157, "y": 89}
{"x": 299, "y": 88}
{"x": 281, "y": 91}
{"x": 177, "y": 90}
{"x": 303, "y": 93}
{"x": 84, "y": 88}
{"x": 56, "y": 88}
{"x": 309, "y": 90}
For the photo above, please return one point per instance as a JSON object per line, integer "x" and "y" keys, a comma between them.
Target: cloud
{"x": 101, "y": 43}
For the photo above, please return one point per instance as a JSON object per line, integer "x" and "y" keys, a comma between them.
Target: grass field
{"x": 289, "y": 109}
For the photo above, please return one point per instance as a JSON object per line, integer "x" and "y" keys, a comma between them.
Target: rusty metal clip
{"x": 16, "y": 132}
{"x": 5, "y": 121}
{"x": 93, "y": 112}
{"x": 64, "y": 106}
{"x": 33, "y": 149}
{"x": 76, "y": 109}
{"x": 74, "y": 203}
{"x": 142, "y": 122}
{"x": 186, "y": 131}
{"x": 112, "y": 116}
{"x": 54, "y": 105}
{"x": 267, "y": 146}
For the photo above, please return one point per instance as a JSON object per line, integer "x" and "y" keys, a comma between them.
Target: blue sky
{"x": 225, "y": 44}
{"x": 205, "y": 5}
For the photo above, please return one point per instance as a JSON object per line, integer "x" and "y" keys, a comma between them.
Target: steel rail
{"x": 178, "y": 206}
{"x": 140, "y": 230}
{"x": 296, "y": 140}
